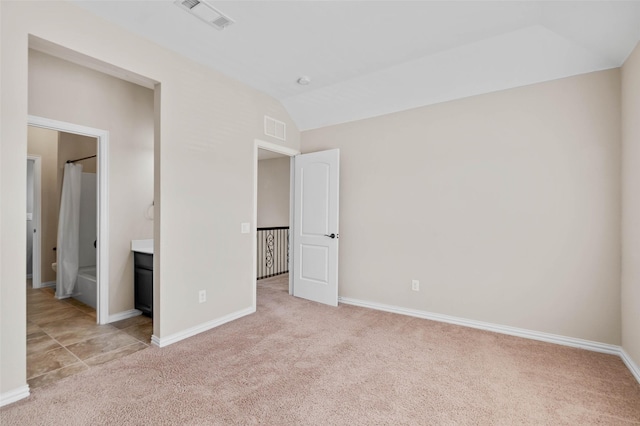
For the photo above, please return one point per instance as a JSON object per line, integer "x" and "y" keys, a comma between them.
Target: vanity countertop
{"x": 142, "y": 246}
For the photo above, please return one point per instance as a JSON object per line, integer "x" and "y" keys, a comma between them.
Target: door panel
{"x": 314, "y": 188}
{"x": 313, "y": 261}
{"x": 315, "y": 254}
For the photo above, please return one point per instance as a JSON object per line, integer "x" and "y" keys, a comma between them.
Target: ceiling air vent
{"x": 206, "y": 13}
{"x": 275, "y": 128}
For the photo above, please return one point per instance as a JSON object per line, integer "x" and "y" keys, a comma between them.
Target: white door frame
{"x": 102, "y": 258}
{"x": 290, "y": 152}
{"x": 36, "y": 256}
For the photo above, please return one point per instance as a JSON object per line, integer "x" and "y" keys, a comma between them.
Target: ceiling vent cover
{"x": 275, "y": 128}
{"x": 206, "y": 13}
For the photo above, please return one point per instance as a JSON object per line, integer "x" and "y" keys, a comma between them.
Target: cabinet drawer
{"x": 143, "y": 260}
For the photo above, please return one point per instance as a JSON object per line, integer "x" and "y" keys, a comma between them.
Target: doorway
{"x": 63, "y": 338}
{"x": 101, "y": 184}
{"x": 313, "y": 222}
{"x": 275, "y": 217}
{"x": 272, "y": 224}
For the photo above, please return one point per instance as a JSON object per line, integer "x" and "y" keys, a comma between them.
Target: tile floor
{"x": 64, "y": 339}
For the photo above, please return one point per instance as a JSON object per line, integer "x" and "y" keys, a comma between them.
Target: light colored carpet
{"x": 298, "y": 362}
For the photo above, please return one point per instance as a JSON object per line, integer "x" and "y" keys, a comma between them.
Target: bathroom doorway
{"x": 65, "y": 333}
{"x": 65, "y": 147}
{"x": 52, "y": 237}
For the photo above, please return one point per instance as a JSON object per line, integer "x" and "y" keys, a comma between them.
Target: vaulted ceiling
{"x": 377, "y": 57}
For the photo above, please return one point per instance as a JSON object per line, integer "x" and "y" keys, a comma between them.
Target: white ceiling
{"x": 377, "y": 57}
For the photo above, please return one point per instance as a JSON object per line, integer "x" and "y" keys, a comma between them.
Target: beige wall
{"x": 126, "y": 111}
{"x": 72, "y": 147}
{"x": 273, "y": 192}
{"x": 44, "y": 142}
{"x": 203, "y": 165}
{"x": 505, "y": 206}
{"x": 631, "y": 205}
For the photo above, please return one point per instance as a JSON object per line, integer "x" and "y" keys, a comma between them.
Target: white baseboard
{"x": 46, "y": 284}
{"x": 176, "y": 337}
{"x": 504, "y": 329}
{"x": 124, "y": 315}
{"x": 14, "y": 395}
{"x": 632, "y": 366}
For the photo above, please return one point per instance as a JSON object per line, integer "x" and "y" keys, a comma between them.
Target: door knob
{"x": 331, "y": 235}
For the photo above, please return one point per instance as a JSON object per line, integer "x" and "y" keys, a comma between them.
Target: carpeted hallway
{"x": 298, "y": 362}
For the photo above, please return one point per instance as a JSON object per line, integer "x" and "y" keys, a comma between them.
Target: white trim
{"x": 36, "y": 259}
{"x": 46, "y": 284}
{"x": 124, "y": 315}
{"x": 254, "y": 229}
{"x": 274, "y": 147}
{"x": 155, "y": 341}
{"x": 290, "y": 152}
{"x": 189, "y": 332}
{"x": 292, "y": 211}
{"x": 102, "y": 263}
{"x": 502, "y": 329}
{"x": 12, "y": 396}
{"x": 632, "y": 366}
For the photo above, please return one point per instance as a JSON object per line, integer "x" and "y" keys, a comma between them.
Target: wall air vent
{"x": 275, "y": 128}
{"x": 206, "y": 13}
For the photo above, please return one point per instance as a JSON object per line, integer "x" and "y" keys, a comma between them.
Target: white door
{"x": 315, "y": 230}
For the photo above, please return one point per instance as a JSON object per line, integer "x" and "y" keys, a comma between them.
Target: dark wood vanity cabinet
{"x": 143, "y": 264}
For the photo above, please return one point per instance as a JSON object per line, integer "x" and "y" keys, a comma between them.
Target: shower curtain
{"x": 69, "y": 231}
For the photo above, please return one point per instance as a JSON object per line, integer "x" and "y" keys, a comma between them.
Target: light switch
{"x": 245, "y": 228}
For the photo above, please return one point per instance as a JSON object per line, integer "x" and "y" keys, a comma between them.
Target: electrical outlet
{"x": 202, "y": 296}
{"x": 415, "y": 285}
